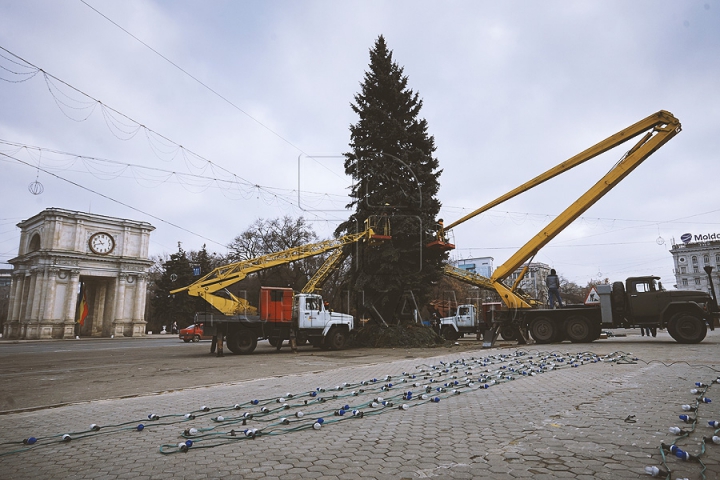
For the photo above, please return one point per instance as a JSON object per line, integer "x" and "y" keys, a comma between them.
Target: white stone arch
{"x": 60, "y": 250}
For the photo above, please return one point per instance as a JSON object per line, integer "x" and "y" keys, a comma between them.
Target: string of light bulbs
{"x": 320, "y": 407}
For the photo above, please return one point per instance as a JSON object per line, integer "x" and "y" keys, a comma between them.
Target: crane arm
{"x": 325, "y": 270}
{"x": 223, "y": 277}
{"x": 655, "y": 120}
{"x": 477, "y": 280}
{"x": 663, "y": 129}
{"x": 468, "y": 277}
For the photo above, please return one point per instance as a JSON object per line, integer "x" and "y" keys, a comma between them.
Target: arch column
{"x": 11, "y": 329}
{"x": 119, "y": 323}
{"x": 71, "y": 304}
{"x": 49, "y": 326}
{"x": 31, "y": 322}
{"x": 138, "y": 322}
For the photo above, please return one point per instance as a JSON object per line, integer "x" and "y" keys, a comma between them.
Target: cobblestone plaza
{"x": 601, "y": 415}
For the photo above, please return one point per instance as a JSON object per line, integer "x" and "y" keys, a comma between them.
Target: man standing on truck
{"x": 553, "y": 284}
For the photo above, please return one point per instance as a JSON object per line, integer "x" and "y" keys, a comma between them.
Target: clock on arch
{"x": 101, "y": 243}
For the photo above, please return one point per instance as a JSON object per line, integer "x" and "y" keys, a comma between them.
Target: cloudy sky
{"x": 201, "y": 116}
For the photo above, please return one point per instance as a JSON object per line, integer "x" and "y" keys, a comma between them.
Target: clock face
{"x": 101, "y": 243}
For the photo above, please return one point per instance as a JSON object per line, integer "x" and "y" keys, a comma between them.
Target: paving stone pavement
{"x": 566, "y": 423}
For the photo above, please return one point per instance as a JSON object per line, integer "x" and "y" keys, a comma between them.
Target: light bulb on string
{"x": 654, "y": 471}
{"x": 681, "y": 454}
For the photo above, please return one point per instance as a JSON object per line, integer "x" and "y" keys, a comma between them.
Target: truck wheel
{"x": 509, "y": 333}
{"x": 196, "y": 338}
{"x": 335, "y": 339}
{"x": 543, "y": 330}
{"x": 242, "y": 342}
{"x": 579, "y": 329}
{"x": 449, "y": 333}
{"x": 186, "y": 340}
{"x": 687, "y": 328}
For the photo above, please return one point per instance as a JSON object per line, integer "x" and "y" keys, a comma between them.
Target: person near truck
{"x": 553, "y": 285}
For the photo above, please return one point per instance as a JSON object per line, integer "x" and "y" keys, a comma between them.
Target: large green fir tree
{"x": 396, "y": 177}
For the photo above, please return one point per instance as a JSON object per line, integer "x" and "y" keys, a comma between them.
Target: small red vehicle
{"x": 193, "y": 333}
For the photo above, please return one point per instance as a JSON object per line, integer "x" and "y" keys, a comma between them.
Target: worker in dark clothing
{"x": 217, "y": 340}
{"x": 553, "y": 285}
{"x": 220, "y": 332}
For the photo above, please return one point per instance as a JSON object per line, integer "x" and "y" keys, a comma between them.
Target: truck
{"x": 283, "y": 315}
{"x": 639, "y": 302}
{"x": 465, "y": 320}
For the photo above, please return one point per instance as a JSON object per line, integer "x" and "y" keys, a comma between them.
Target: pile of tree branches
{"x": 403, "y": 335}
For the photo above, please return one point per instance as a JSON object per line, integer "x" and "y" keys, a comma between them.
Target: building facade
{"x": 691, "y": 257}
{"x": 62, "y": 253}
{"x": 480, "y": 265}
{"x": 533, "y": 283}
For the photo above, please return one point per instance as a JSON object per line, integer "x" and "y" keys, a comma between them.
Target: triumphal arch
{"x": 79, "y": 274}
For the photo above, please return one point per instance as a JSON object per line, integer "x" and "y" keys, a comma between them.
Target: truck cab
{"x": 645, "y": 298}
{"x": 464, "y": 321}
{"x": 322, "y": 327}
{"x": 686, "y": 314}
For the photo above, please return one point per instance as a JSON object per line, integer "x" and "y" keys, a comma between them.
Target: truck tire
{"x": 449, "y": 333}
{"x": 580, "y": 329}
{"x": 543, "y": 330}
{"x": 242, "y": 342}
{"x": 335, "y": 339}
{"x": 686, "y": 327}
{"x": 509, "y": 332}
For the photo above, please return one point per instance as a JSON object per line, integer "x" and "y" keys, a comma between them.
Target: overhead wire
{"x": 102, "y": 168}
{"x": 115, "y": 200}
{"x": 210, "y": 89}
{"x": 129, "y": 129}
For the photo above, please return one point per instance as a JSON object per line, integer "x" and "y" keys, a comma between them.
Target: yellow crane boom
{"x": 333, "y": 260}
{"x": 222, "y": 277}
{"x": 658, "y": 129}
